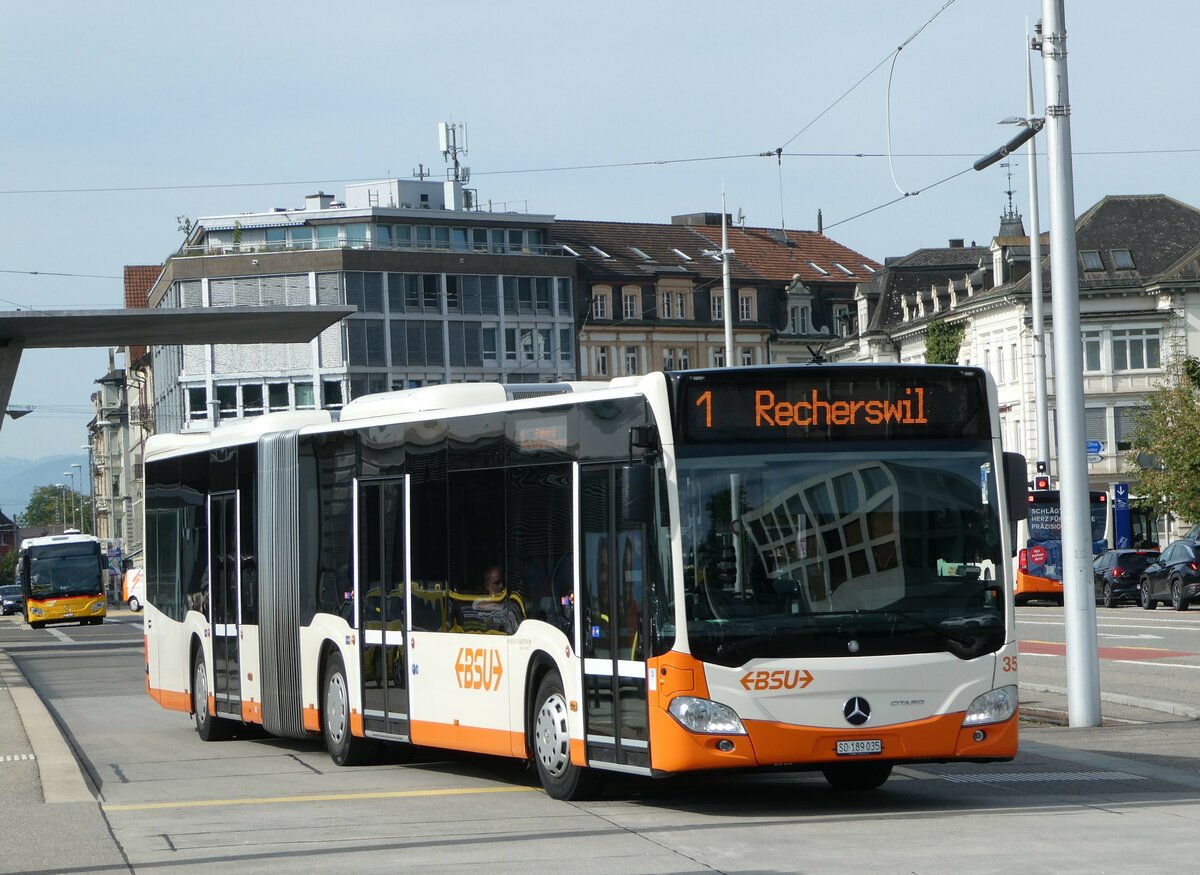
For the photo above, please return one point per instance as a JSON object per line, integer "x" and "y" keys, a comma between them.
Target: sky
{"x": 118, "y": 119}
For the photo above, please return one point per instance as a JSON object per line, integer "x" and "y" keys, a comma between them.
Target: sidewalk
{"x": 41, "y": 770}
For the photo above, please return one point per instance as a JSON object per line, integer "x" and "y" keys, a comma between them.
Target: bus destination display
{"x": 823, "y": 406}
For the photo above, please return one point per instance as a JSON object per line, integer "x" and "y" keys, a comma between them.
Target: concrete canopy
{"x": 30, "y": 329}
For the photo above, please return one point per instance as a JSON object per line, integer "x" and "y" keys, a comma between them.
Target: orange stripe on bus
{"x": 251, "y": 711}
{"x": 170, "y": 699}
{"x": 498, "y": 742}
{"x": 1028, "y": 584}
{"x": 312, "y": 719}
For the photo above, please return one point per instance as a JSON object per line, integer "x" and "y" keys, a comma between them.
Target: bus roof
{"x": 49, "y": 540}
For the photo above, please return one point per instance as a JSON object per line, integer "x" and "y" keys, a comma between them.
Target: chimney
{"x": 318, "y": 201}
{"x": 820, "y": 223}
{"x": 956, "y": 242}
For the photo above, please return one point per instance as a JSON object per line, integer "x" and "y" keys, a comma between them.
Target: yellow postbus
{"x": 62, "y": 578}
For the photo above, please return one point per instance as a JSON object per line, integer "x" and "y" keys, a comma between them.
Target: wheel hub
{"x": 551, "y": 736}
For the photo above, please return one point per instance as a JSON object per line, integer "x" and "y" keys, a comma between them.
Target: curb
{"x": 1172, "y": 708}
{"x": 61, "y": 776}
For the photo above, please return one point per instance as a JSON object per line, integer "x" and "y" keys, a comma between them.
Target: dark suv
{"x": 1174, "y": 577}
{"x": 11, "y": 600}
{"x": 1118, "y": 575}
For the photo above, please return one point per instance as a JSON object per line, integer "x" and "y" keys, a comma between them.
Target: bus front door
{"x": 381, "y": 599}
{"x": 614, "y": 661}
{"x": 223, "y": 602}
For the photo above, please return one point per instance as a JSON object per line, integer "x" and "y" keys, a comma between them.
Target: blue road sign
{"x": 1122, "y": 523}
{"x": 1095, "y": 446}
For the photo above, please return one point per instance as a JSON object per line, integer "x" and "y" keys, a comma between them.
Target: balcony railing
{"x": 259, "y": 247}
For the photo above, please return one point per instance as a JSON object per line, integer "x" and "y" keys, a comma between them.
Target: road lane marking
{"x": 1159, "y": 664}
{"x": 332, "y": 797}
{"x": 61, "y": 635}
{"x": 17, "y": 757}
{"x": 1115, "y": 654}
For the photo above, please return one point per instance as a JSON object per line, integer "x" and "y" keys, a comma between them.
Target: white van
{"x": 133, "y": 589}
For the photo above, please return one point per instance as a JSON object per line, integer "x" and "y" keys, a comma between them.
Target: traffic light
{"x": 1041, "y": 483}
{"x": 1041, "y": 468}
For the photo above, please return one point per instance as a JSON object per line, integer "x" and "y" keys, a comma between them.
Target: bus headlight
{"x": 37, "y": 612}
{"x": 98, "y": 606}
{"x": 706, "y": 716}
{"x": 994, "y": 706}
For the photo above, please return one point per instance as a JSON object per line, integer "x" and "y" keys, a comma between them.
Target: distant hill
{"x": 19, "y": 477}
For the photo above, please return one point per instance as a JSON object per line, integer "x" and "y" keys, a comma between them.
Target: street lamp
{"x": 79, "y": 465}
{"x": 18, "y": 412}
{"x": 71, "y": 476}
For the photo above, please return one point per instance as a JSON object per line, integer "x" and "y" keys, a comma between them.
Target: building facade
{"x": 1139, "y": 301}
{"x": 444, "y": 294}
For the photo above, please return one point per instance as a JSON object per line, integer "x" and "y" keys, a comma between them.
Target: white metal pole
{"x": 1083, "y": 668}
{"x": 1041, "y": 410}
{"x": 725, "y": 280}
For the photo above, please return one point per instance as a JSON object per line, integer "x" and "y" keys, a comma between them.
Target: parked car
{"x": 11, "y": 600}
{"x": 1174, "y": 577}
{"x": 1118, "y": 575}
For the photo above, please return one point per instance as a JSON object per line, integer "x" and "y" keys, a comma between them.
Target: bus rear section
{"x": 62, "y": 579}
{"x": 1040, "y": 561}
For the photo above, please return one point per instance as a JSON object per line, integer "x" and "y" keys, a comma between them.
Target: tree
{"x": 942, "y": 342}
{"x": 8, "y": 567}
{"x": 1164, "y": 452}
{"x": 52, "y": 505}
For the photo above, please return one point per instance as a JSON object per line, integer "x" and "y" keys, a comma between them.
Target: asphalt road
{"x": 1073, "y": 801}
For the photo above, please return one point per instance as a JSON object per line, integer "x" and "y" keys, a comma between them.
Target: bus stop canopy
{"x": 34, "y": 329}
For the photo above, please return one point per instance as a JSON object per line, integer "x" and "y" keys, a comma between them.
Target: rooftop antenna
{"x": 448, "y": 137}
{"x": 420, "y": 172}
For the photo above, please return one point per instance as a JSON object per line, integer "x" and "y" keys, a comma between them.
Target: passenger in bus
{"x": 497, "y": 609}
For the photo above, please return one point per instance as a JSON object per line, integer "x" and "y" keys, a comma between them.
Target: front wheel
{"x": 345, "y": 748}
{"x": 854, "y": 777}
{"x": 1148, "y": 603}
{"x": 208, "y": 726}
{"x": 552, "y": 746}
{"x": 134, "y": 604}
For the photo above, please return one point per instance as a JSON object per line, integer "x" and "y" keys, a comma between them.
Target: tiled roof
{"x": 621, "y": 247}
{"x": 139, "y": 279}
{"x": 781, "y": 255}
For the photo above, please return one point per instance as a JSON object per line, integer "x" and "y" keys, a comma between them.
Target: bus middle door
{"x": 223, "y": 557}
{"x": 614, "y": 661}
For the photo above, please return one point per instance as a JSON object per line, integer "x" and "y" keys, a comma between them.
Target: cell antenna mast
{"x": 448, "y": 138}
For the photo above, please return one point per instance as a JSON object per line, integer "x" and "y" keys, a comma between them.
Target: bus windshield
{"x": 61, "y": 570}
{"x": 880, "y": 550}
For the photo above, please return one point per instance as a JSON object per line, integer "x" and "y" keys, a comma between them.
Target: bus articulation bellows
{"x": 804, "y": 565}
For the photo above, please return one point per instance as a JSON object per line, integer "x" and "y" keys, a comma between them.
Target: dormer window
{"x": 822, "y": 271}
{"x": 1122, "y": 259}
{"x": 1091, "y": 259}
{"x": 599, "y": 251}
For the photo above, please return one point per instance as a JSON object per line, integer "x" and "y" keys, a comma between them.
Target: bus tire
{"x": 551, "y": 746}
{"x": 36, "y": 624}
{"x": 345, "y": 748}
{"x": 208, "y": 726}
{"x": 856, "y": 777}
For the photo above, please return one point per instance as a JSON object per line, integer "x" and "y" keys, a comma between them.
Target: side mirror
{"x": 637, "y": 493}
{"x": 1016, "y": 490}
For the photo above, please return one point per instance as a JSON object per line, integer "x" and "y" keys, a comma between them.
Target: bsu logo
{"x": 780, "y": 679}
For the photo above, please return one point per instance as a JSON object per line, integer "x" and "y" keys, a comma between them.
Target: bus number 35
{"x": 478, "y": 668}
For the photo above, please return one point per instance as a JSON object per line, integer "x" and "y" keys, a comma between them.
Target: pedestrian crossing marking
{"x": 16, "y": 757}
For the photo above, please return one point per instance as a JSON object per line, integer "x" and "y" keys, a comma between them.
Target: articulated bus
{"x": 803, "y": 566}
{"x": 62, "y": 578}
{"x": 1039, "y": 565}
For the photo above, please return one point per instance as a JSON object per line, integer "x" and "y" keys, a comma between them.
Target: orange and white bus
{"x": 804, "y": 566}
{"x": 62, "y": 578}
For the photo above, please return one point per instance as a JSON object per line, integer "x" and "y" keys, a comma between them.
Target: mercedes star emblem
{"x": 857, "y": 711}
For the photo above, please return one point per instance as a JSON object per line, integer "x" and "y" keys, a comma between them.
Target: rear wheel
{"x": 208, "y": 726}
{"x": 134, "y": 604}
{"x": 345, "y": 748}
{"x": 1148, "y": 603}
{"x": 1178, "y": 602}
{"x": 854, "y": 777}
{"x": 552, "y": 746}
{"x": 36, "y": 624}
{"x": 1110, "y": 600}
